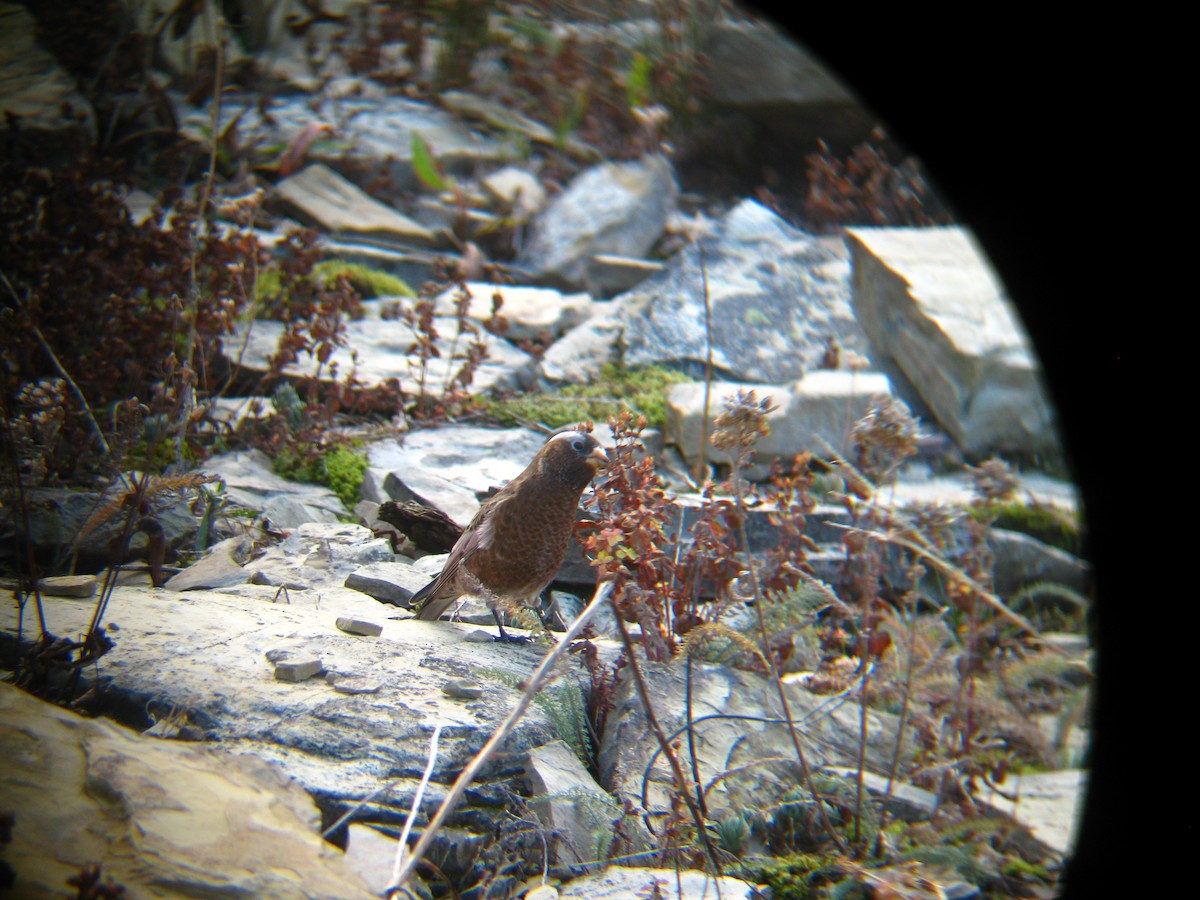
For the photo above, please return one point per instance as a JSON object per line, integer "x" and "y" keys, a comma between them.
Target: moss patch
{"x": 640, "y": 389}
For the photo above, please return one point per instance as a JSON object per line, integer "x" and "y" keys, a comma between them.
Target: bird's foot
{"x": 505, "y": 638}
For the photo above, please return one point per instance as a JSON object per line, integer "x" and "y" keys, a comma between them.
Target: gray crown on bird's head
{"x": 587, "y": 450}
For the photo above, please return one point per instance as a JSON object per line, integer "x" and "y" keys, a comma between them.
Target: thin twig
{"x": 402, "y": 843}
{"x": 681, "y": 784}
{"x": 502, "y": 731}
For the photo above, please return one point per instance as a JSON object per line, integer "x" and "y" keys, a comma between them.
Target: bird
{"x": 515, "y": 544}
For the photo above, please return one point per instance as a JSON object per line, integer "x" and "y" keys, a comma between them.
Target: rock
{"x": 515, "y": 190}
{"x": 461, "y": 689}
{"x": 508, "y": 120}
{"x": 531, "y": 312}
{"x": 220, "y": 567}
{"x": 322, "y": 196}
{"x": 812, "y": 415}
{"x": 1021, "y": 560}
{"x": 570, "y": 805}
{"x": 756, "y": 69}
{"x": 620, "y": 882}
{"x": 777, "y": 298}
{"x": 61, "y": 518}
{"x": 77, "y": 586}
{"x": 611, "y": 208}
{"x": 383, "y": 355}
{"x": 204, "y": 654}
{"x": 453, "y": 467}
{"x": 578, "y": 356}
{"x": 251, "y": 484}
{"x": 370, "y": 852}
{"x": 941, "y": 326}
{"x": 393, "y": 582}
{"x": 164, "y": 817}
{"x": 755, "y": 752}
{"x": 353, "y": 684}
{"x": 46, "y": 115}
{"x": 350, "y": 625}
{"x": 373, "y": 135}
{"x": 1048, "y": 803}
{"x": 297, "y": 668}
{"x": 320, "y": 555}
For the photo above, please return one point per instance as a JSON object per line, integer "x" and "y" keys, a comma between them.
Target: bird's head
{"x": 575, "y": 454}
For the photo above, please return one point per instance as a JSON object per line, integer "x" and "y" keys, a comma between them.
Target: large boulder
{"x": 940, "y": 324}
{"x": 43, "y": 110}
{"x": 611, "y": 208}
{"x": 164, "y": 818}
{"x": 777, "y": 298}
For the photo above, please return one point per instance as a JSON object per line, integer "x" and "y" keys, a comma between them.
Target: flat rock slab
{"x": 776, "y": 295}
{"x": 370, "y": 134}
{"x": 337, "y": 205}
{"x": 622, "y": 882}
{"x": 942, "y": 326}
{"x": 204, "y": 653}
{"x": 385, "y": 353}
{"x": 166, "y": 818}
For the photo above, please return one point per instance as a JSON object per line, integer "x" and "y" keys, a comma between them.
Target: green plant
{"x": 640, "y": 390}
{"x": 341, "y": 470}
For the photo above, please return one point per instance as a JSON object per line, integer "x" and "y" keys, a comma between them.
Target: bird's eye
{"x": 577, "y": 445}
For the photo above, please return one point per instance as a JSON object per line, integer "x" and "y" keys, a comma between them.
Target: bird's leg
{"x": 475, "y": 586}
{"x": 506, "y": 638}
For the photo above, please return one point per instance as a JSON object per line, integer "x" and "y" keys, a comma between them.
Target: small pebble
{"x": 359, "y": 626}
{"x": 298, "y": 668}
{"x": 353, "y": 684}
{"x": 462, "y": 689}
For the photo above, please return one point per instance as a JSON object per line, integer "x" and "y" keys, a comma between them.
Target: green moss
{"x": 641, "y": 389}
{"x": 1050, "y": 526}
{"x": 790, "y": 877}
{"x": 367, "y": 281}
{"x": 341, "y": 470}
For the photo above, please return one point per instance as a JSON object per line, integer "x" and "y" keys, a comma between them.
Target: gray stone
{"x": 77, "y": 586}
{"x": 737, "y": 732}
{"x": 461, "y": 689}
{"x": 516, "y": 190}
{"x": 570, "y": 805}
{"x": 621, "y": 882}
{"x": 777, "y": 298}
{"x": 299, "y": 668}
{"x": 531, "y": 312}
{"x": 337, "y": 205}
{"x": 193, "y": 820}
{"x": 814, "y": 415}
{"x": 384, "y": 355}
{"x": 351, "y": 625}
{"x": 940, "y": 323}
{"x": 612, "y": 208}
{"x": 756, "y": 69}
{"x": 220, "y": 567}
{"x": 393, "y": 582}
{"x": 372, "y": 135}
{"x": 50, "y": 115}
{"x": 250, "y": 483}
{"x": 578, "y": 356}
{"x": 353, "y": 684}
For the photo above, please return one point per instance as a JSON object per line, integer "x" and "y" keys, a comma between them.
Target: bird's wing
{"x": 433, "y": 599}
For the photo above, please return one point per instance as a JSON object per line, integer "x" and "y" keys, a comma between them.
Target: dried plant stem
{"x": 949, "y": 570}
{"x": 497, "y": 739}
{"x": 708, "y": 365}
{"x": 66, "y": 376}
{"x": 681, "y": 782}
{"x": 776, "y": 679}
{"x": 402, "y": 843}
{"x": 905, "y": 697}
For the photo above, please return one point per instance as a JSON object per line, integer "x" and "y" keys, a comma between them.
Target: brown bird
{"x": 516, "y": 543}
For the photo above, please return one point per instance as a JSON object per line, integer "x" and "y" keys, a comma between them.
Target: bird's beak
{"x": 598, "y": 458}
